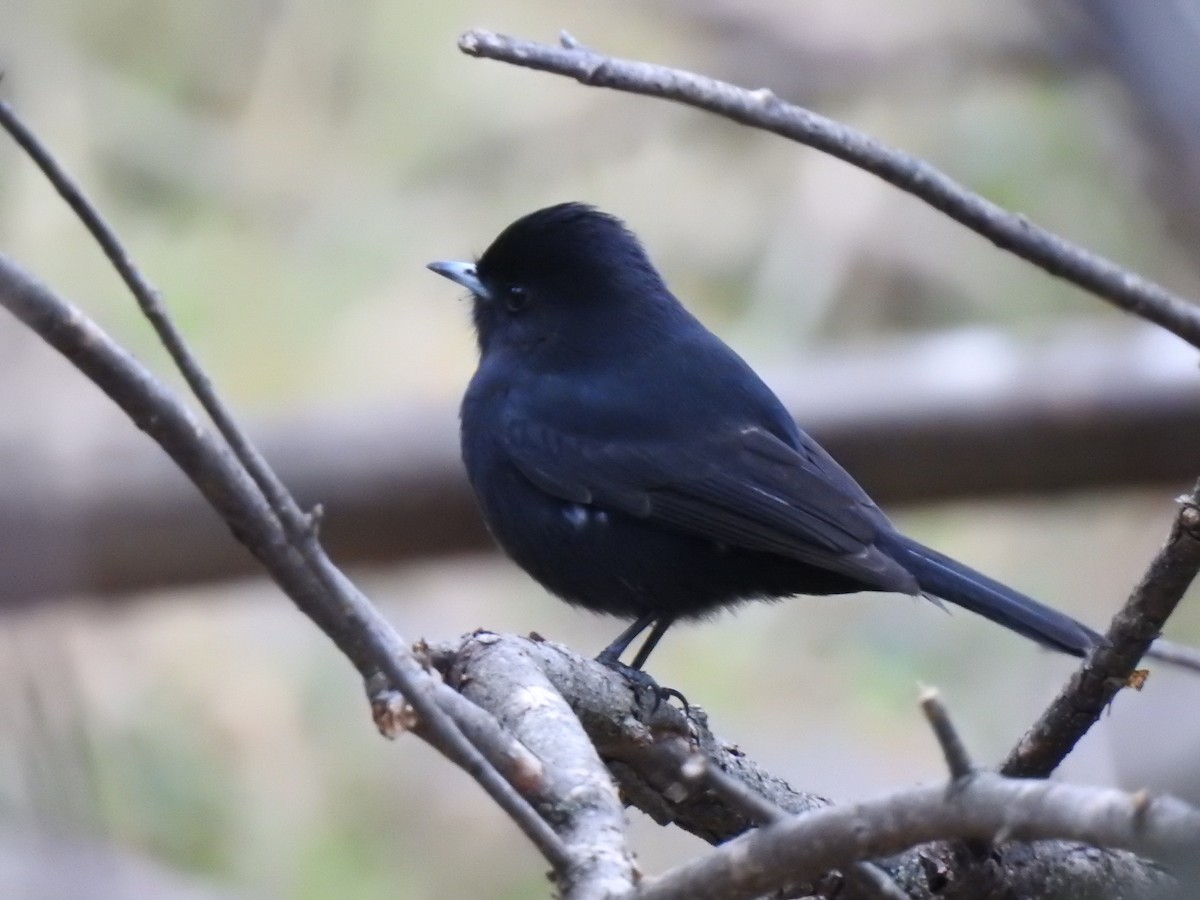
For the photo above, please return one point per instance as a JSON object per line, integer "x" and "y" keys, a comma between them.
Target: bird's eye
{"x": 515, "y": 298}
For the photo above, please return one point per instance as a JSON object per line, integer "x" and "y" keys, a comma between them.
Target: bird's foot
{"x": 643, "y": 684}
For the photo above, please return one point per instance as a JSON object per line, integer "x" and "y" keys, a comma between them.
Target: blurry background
{"x": 170, "y": 726}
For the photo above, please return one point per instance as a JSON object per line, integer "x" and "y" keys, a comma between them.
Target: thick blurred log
{"x": 962, "y": 415}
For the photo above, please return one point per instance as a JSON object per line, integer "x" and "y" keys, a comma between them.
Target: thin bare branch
{"x": 1109, "y": 669}
{"x": 149, "y": 300}
{"x": 357, "y": 628}
{"x": 983, "y": 807}
{"x": 280, "y": 535}
{"x": 762, "y": 109}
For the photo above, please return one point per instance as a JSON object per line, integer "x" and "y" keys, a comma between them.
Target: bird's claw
{"x": 641, "y": 684}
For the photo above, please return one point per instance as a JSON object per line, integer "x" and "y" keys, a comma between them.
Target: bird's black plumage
{"x": 632, "y": 463}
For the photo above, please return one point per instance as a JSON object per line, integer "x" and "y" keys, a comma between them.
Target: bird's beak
{"x": 461, "y": 273}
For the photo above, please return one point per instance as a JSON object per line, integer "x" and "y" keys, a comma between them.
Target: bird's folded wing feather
{"x": 743, "y": 487}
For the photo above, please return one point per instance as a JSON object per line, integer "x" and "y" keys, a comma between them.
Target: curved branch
{"x": 762, "y": 109}
{"x": 982, "y": 807}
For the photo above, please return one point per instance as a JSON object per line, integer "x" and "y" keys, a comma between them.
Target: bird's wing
{"x": 742, "y": 487}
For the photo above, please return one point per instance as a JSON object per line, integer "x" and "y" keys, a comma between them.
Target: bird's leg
{"x": 610, "y": 657}
{"x": 661, "y": 624}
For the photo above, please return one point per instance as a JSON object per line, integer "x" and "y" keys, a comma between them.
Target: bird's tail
{"x": 942, "y": 577}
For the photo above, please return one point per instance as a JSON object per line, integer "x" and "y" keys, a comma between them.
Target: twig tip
{"x": 1189, "y": 515}
{"x": 958, "y": 760}
{"x": 469, "y": 41}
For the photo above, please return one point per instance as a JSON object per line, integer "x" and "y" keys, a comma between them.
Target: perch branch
{"x": 643, "y": 748}
{"x": 574, "y": 790}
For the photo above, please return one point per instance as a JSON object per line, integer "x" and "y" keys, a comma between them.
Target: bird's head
{"x": 555, "y": 276}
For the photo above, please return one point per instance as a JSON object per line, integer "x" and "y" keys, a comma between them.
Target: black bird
{"x": 632, "y": 463}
